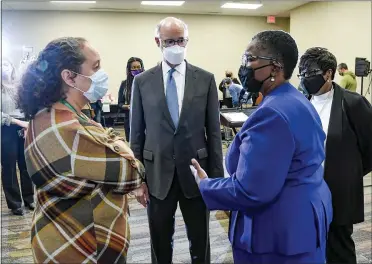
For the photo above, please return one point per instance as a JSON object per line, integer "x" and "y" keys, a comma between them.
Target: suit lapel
{"x": 189, "y": 91}
{"x": 335, "y": 122}
{"x": 159, "y": 86}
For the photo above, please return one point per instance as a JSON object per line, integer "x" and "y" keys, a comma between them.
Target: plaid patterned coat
{"x": 82, "y": 174}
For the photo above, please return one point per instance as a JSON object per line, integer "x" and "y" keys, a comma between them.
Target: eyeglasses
{"x": 182, "y": 42}
{"x": 246, "y": 58}
{"x": 311, "y": 73}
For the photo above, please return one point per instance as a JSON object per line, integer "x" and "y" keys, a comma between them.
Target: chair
{"x": 119, "y": 117}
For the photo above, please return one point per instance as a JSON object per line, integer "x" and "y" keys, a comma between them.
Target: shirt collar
{"x": 326, "y": 96}
{"x": 181, "y": 69}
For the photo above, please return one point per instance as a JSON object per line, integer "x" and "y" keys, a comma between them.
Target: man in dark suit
{"x": 174, "y": 118}
{"x": 347, "y": 120}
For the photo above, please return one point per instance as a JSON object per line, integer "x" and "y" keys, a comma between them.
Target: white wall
{"x": 343, "y": 27}
{"x": 216, "y": 42}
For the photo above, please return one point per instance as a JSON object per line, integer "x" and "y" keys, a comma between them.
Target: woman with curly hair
{"x": 82, "y": 172}
{"x": 13, "y": 125}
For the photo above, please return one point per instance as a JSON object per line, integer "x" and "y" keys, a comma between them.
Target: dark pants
{"x": 161, "y": 214}
{"x": 254, "y": 98}
{"x": 228, "y": 102}
{"x": 127, "y": 126}
{"x": 12, "y": 152}
{"x": 97, "y": 108}
{"x": 340, "y": 245}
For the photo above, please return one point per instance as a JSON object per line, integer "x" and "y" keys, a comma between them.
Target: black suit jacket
{"x": 165, "y": 149}
{"x": 348, "y": 154}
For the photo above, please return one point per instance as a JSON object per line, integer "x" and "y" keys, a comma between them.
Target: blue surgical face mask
{"x": 98, "y": 87}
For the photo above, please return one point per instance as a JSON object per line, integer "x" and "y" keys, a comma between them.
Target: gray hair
{"x": 170, "y": 20}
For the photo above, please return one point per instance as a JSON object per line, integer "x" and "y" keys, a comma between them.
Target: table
{"x": 229, "y": 123}
{"x": 114, "y": 117}
{"x": 225, "y": 121}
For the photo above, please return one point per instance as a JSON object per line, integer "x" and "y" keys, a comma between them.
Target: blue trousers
{"x": 243, "y": 257}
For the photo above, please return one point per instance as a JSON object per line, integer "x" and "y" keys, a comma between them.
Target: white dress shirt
{"x": 179, "y": 77}
{"x": 323, "y": 105}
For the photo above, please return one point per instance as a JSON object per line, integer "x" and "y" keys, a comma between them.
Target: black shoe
{"x": 18, "y": 211}
{"x": 31, "y": 206}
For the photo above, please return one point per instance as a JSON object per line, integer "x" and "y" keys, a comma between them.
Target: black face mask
{"x": 249, "y": 83}
{"x": 313, "y": 84}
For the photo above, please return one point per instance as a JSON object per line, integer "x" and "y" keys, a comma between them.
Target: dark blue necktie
{"x": 172, "y": 97}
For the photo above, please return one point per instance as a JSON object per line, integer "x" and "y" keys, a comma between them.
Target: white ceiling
{"x": 270, "y": 7}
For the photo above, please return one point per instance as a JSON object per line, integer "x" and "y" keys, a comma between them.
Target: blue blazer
{"x": 276, "y": 190}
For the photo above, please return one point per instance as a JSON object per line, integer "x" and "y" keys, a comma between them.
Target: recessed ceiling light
{"x": 163, "y": 3}
{"x": 241, "y": 6}
{"x": 73, "y": 2}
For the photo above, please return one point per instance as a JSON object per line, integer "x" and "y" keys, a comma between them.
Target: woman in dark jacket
{"x": 347, "y": 120}
{"x": 134, "y": 67}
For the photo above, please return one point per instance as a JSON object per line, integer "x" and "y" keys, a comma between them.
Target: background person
{"x": 348, "y": 80}
{"x": 281, "y": 204}
{"x": 227, "y": 100}
{"x": 88, "y": 111}
{"x": 13, "y": 125}
{"x": 134, "y": 67}
{"x": 234, "y": 90}
{"x": 347, "y": 120}
{"x": 96, "y": 110}
{"x": 175, "y": 117}
{"x": 82, "y": 172}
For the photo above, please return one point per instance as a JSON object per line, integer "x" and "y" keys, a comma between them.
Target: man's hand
{"x": 142, "y": 194}
{"x": 197, "y": 171}
{"x": 126, "y": 107}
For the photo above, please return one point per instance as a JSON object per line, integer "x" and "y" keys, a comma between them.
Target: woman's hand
{"x": 197, "y": 171}
{"x": 142, "y": 194}
{"x": 20, "y": 123}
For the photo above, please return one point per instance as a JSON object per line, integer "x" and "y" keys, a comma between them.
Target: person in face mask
{"x": 175, "y": 117}
{"x": 347, "y": 120}
{"x": 82, "y": 171}
{"x": 134, "y": 67}
{"x": 281, "y": 206}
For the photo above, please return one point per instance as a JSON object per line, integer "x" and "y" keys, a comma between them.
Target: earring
{"x": 272, "y": 79}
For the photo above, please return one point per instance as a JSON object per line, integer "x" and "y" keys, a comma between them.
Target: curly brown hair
{"x": 42, "y": 84}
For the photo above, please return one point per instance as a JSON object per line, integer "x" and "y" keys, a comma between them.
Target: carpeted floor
{"x": 15, "y": 245}
{"x": 15, "y": 235}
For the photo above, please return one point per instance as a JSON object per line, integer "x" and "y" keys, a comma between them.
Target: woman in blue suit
{"x": 281, "y": 206}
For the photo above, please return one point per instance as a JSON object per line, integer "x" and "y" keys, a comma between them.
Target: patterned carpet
{"x": 15, "y": 235}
